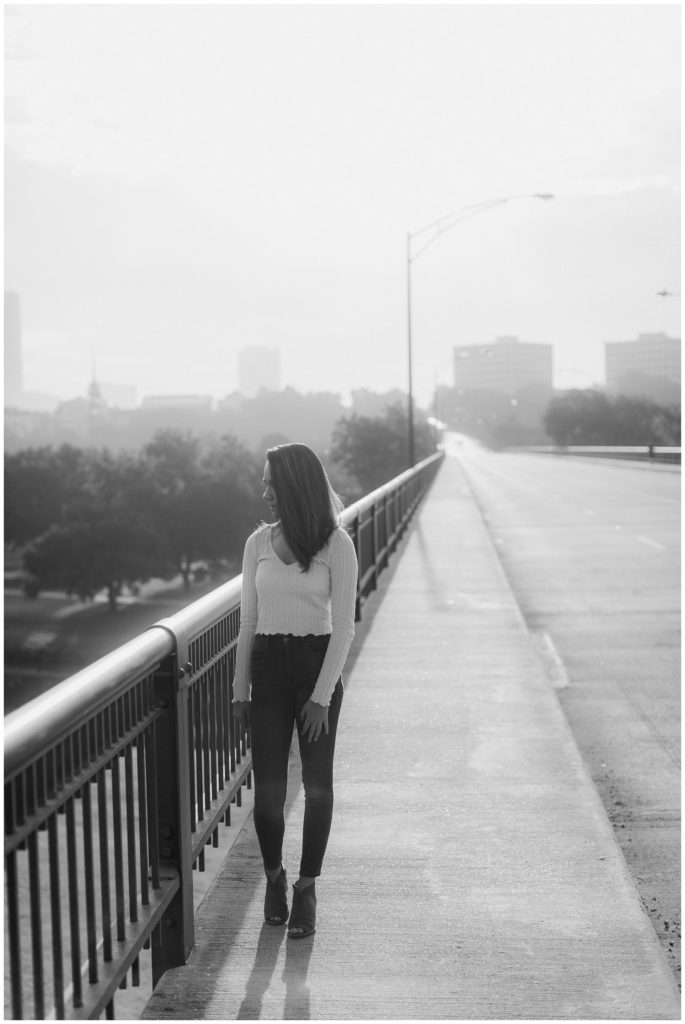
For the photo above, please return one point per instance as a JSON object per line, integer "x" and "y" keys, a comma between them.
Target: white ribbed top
{"x": 280, "y": 598}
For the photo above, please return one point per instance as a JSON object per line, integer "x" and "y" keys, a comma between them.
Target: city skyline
{"x": 161, "y": 223}
{"x": 655, "y": 354}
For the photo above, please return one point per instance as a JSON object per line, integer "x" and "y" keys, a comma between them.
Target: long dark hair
{"x": 308, "y": 507}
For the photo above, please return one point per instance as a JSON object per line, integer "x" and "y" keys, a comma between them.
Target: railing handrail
{"x": 48, "y": 716}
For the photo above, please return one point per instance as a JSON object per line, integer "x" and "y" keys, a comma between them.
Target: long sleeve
{"x": 343, "y": 569}
{"x": 248, "y": 622}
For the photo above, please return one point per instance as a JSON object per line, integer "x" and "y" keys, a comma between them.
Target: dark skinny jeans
{"x": 284, "y": 672}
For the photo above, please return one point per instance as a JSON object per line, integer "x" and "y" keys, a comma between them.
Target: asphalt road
{"x": 592, "y": 551}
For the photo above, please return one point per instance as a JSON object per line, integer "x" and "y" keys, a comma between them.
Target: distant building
{"x": 647, "y": 367}
{"x": 259, "y": 368}
{"x": 95, "y": 395}
{"x": 182, "y": 403}
{"x": 24, "y": 428}
{"x": 73, "y": 419}
{"x": 80, "y": 418}
{"x": 39, "y": 401}
{"x": 373, "y": 403}
{"x": 231, "y": 403}
{"x": 119, "y": 396}
{"x": 14, "y": 378}
{"x": 506, "y": 366}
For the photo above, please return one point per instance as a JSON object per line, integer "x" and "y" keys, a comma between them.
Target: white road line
{"x": 652, "y": 543}
{"x": 551, "y": 659}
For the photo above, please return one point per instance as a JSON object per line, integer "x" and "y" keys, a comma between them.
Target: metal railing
{"x": 644, "y": 452}
{"x": 126, "y": 841}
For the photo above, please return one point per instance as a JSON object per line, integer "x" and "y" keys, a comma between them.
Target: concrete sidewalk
{"x": 472, "y": 872}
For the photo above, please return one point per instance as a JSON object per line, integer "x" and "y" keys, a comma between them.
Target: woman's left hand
{"x": 314, "y": 718}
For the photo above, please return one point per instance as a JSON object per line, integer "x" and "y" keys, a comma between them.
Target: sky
{"x": 182, "y": 181}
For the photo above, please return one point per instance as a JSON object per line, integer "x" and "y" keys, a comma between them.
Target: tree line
{"x": 578, "y": 416}
{"x": 88, "y": 520}
{"x": 593, "y": 417}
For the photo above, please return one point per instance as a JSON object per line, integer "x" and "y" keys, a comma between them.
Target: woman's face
{"x": 269, "y": 493}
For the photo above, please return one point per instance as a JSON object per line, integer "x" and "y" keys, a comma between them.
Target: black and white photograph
{"x": 342, "y": 505}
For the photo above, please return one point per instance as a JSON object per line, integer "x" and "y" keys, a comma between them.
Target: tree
{"x": 583, "y": 417}
{"x": 232, "y": 504}
{"x": 177, "y": 503}
{"x": 87, "y": 556}
{"x": 580, "y": 417}
{"x": 39, "y": 484}
{"x": 642, "y": 421}
{"x": 105, "y": 537}
{"x": 375, "y": 449}
{"x": 204, "y": 505}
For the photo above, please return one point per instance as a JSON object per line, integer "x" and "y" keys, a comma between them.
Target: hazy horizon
{"x": 185, "y": 181}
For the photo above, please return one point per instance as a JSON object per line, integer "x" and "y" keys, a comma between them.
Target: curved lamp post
{"x": 437, "y": 228}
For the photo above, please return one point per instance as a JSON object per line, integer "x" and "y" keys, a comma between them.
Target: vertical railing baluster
{"x": 219, "y": 696}
{"x": 191, "y": 759}
{"x": 13, "y": 930}
{"x": 118, "y": 850}
{"x": 142, "y": 821}
{"x": 89, "y": 879}
{"x": 226, "y": 675}
{"x": 213, "y": 732}
{"x": 28, "y": 786}
{"x": 36, "y": 926}
{"x": 153, "y": 817}
{"x": 206, "y": 742}
{"x": 104, "y": 868}
{"x": 131, "y": 837}
{"x": 199, "y": 801}
{"x": 74, "y": 923}
{"x": 56, "y": 918}
{"x": 233, "y": 730}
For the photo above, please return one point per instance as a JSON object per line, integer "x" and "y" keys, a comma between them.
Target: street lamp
{"x": 437, "y": 228}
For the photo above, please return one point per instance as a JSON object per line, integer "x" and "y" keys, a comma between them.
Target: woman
{"x": 297, "y": 623}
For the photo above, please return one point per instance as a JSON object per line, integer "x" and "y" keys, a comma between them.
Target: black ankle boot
{"x": 276, "y": 899}
{"x": 303, "y": 914}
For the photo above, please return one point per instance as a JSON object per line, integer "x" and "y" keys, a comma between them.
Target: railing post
{"x": 175, "y": 937}
{"x": 356, "y": 537}
{"x": 374, "y": 544}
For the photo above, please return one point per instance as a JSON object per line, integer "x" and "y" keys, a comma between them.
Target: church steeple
{"x": 94, "y": 393}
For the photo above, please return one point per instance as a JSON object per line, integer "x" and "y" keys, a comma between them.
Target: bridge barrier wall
{"x": 650, "y": 453}
{"x": 117, "y": 778}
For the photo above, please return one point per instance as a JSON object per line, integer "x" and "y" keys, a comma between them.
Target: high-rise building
{"x": 648, "y": 366}
{"x": 258, "y": 367}
{"x": 506, "y": 366}
{"x": 14, "y": 379}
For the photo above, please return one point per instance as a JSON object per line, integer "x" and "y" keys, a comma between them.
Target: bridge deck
{"x": 472, "y": 871}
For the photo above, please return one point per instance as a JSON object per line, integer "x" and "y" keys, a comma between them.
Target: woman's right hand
{"x": 241, "y": 711}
